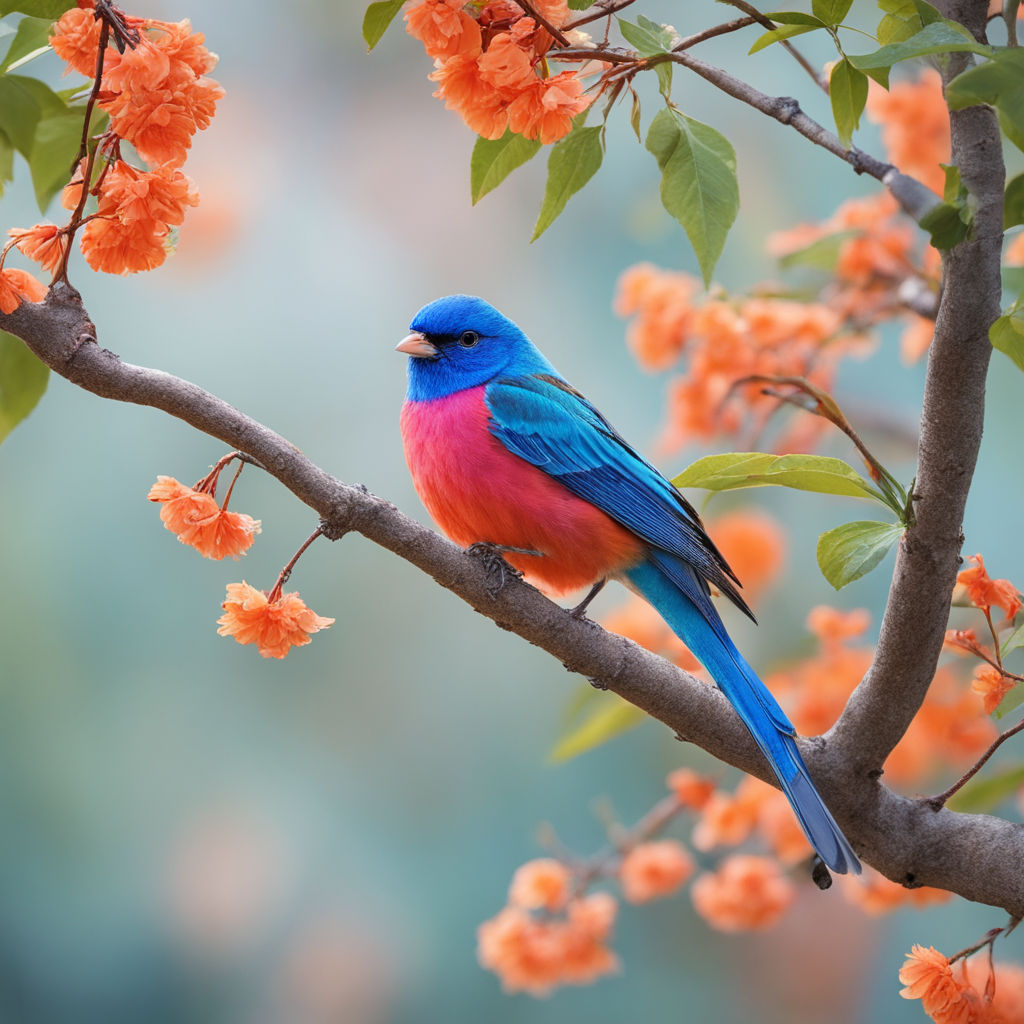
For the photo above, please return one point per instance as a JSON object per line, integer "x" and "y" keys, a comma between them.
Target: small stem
{"x": 764, "y": 20}
{"x": 1010, "y": 17}
{"x": 605, "y": 10}
{"x": 995, "y": 638}
{"x": 76, "y": 217}
{"x": 231, "y": 486}
{"x": 606, "y": 862}
{"x": 990, "y": 937}
{"x": 209, "y": 482}
{"x": 939, "y": 801}
{"x": 532, "y": 11}
{"x": 275, "y": 592}
{"x": 710, "y": 33}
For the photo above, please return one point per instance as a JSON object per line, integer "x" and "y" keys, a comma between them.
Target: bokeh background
{"x": 189, "y": 833}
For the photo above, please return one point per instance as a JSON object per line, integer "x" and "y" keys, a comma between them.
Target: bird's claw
{"x": 492, "y": 557}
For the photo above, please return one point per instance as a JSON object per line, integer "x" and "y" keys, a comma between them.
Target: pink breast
{"x": 477, "y": 490}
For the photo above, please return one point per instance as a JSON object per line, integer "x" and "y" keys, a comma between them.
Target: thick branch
{"x": 972, "y": 855}
{"x": 917, "y": 612}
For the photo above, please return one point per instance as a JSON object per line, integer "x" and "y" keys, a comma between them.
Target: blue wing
{"x": 543, "y": 420}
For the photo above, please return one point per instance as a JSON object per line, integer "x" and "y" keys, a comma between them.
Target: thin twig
{"x": 766, "y": 22}
{"x": 938, "y": 801}
{"x": 710, "y": 33}
{"x": 286, "y": 572}
{"x": 596, "y": 13}
{"x": 532, "y": 11}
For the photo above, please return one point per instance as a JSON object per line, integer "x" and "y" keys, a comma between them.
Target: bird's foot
{"x": 580, "y": 611}
{"x": 499, "y": 570}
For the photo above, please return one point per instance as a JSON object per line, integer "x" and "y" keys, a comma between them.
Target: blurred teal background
{"x": 189, "y": 833}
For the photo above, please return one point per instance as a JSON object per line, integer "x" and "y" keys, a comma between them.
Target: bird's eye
{"x": 468, "y": 339}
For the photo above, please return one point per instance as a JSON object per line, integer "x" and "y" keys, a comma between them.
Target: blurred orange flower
{"x": 754, "y": 544}
{"x": 744, "y": 894}
{"x": 1015, "y": 250}
{"x": 691, "y": 789}
{"x": 727, "y": 820}
{"x": 655, "y": 869}
{"x": 876, "y": 895}
{"x": 275, "y": 625}
{"x": 541, "y": 883}
{"x": 915, "y": 126}
{"x": 535, "y": 956}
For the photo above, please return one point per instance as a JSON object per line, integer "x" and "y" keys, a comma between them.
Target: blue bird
{"x": 503, "y": 451}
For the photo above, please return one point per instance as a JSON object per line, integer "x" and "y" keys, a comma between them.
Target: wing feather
{"x": 543, "y": 420}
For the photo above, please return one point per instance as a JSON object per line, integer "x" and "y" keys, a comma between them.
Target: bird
{"x": 506, "y": 454}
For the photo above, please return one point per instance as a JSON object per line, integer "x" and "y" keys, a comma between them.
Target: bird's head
{"x": 460, "y": 342}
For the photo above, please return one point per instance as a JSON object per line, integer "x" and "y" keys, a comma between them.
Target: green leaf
{"x": 573, "y": 162}
{"x": 854, "y": 549}
{"x": 698, "y": 181}
{"x": 938, "y": 37}
{"x": 377, "y": 18}
{"x": 1013, "y": 205}
{"x": 645, "y": 36}
{"x": 780, "y": 33}
{"x": 848, "y": 91}
{"x": 31, "y": 39}
{"x": 634, "y": 118}
{"x": 22, "y": 382}
{"x": 609, "y": 718}
{"x": 981, "y": 795}
{"x": 998, "y": 82}
{"x": 493, "y": 160}
{"x": 831, "y": 12}
{"x": 795, "y": 18}
{"x": 6, "y": 161}
{"x": 1007, "y": 335}
{"x": 580, "y": 5}
{"x": 821, "y": 254}
{"x": 819, "y": 473}
{"x": 49, "y": 9}
{"x": 944, "y": 225}
{"x": 19, "y": 113}
{"x": 1013, "y": 641}
{"x": 57, "y": 142}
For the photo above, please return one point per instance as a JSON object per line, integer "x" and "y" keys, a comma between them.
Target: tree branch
{"x": 973, "y": 855}
{"x": 913, "y": 627}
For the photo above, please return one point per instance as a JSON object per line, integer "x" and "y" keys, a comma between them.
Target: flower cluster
{"x": 949, "y": 731}
{"x": 992, "y": 681}
{"x": 949, "y": 996}
{"x": 193, "y": 515}
{"x": 275, "y": 622}
{"x": 724, "y": 340}
{"x": 564, "y": 944}
{"x": 157, "y": 95}
{"x": 878, "y": 269}
{"x": 491, "y": 66}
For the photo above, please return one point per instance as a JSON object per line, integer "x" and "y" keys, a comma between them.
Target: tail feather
{"x": 679, "y": 597}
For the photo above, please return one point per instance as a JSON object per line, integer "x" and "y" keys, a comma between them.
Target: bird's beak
{"x": 417, "y": 346}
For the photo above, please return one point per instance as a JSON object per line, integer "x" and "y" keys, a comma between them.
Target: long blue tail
{"x": 681, "y": 598}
